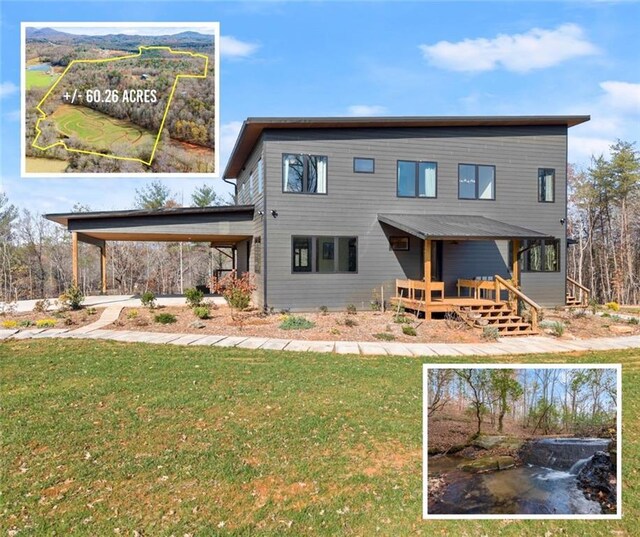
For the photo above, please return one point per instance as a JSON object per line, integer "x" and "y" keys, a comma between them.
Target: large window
{"x": 417, "y": 179}
{"x": 304, "y": 174}
{"x": 476, "y": 182}
{"x": 260, "y": 177}
{"x": 541, "y": 256}
{"x": 546, "y": 185}
{"x": 324, "y": 254}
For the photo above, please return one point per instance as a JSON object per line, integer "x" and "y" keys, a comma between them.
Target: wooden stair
{"x": 572, "y": 302}
{"x": 498, "y": 315}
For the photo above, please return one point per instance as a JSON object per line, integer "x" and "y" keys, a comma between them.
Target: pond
{"x": 528, "y": 489}
{"x": 39, "y": 67}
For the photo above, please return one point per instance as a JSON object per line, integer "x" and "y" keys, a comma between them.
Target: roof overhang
{"x": 253, "y": 127}
{"x": 216, "y": 225}
{"x": 458, "y": 227}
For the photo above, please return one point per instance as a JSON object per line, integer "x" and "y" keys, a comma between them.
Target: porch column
{"x": 74, "y": 258}
{"x": 103, "y": 268}
{"x": 515, "y": 276}
{"x": 427, "y": 270}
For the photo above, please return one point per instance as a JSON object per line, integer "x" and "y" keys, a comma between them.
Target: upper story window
{"x": 546, "y": 185}
{"x": 251, "y": 185}
{"x": 417, "y": 179}
{"x": 304, "y": 174}
{"x": 364, "y": 165}
{"x": 476, "y": 182}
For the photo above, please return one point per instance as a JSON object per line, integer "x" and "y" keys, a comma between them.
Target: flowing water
{"x": 528, "y": 489}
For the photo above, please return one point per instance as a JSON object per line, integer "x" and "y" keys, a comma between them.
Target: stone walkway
{"x": 515, "y": 345}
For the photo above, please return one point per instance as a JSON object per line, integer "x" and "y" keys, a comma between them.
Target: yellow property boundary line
{"x": 164, "y": 117}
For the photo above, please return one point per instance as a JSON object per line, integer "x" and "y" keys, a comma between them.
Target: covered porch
{"x": 480, "y": 298}
{"x": 223, "y": 228}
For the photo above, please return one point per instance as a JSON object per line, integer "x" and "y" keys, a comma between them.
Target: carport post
{"x": 103, "y": 267}
{"x": 74, "y": 258}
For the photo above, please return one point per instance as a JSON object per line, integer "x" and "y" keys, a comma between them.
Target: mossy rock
{"x": 488, "y": 464}
{"x": 486, "y": 441}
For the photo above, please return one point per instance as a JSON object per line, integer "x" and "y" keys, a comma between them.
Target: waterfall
{"x": 579, "y": 465}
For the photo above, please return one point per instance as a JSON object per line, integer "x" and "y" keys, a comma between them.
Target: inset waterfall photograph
{"x": 519, "y": 441}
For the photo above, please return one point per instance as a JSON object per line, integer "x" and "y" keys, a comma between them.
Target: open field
{"x": 100, "y": 131}
{"x": 45, "y": 165}
{"x": 99, "y": 436}
{"x": 39, "y": 79}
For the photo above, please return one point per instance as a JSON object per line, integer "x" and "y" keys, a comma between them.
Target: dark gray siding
{"x": 353, "y": 201}
{"x": 251, "y": 193}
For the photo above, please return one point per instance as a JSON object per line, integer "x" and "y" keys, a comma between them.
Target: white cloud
{"x": 582, "y": 148}
{"x": 14, "y": 115}
{"x": 535, "y": 49}
{"x": 7, "y": 88}
{"x": 228, "y": 136}
{"x": 231, "y": 47}
{"x": 366, "y": 110}
{"x": 623, "y": 96}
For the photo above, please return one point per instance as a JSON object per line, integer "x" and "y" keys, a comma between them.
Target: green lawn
{"x": 169, "y": 440}
{"x": 39, "y": 79}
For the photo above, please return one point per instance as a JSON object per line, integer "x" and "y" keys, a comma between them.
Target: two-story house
{"x": 347, "y": 206}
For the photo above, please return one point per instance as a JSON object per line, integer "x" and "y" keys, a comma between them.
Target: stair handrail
{"x": 535, "y": 308}
{"x": 585, "y": 292}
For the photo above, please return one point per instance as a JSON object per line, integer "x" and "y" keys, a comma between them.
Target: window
{"x": 260, "y": 177}
{"x": 324, "y": 254}
{"x": 417, "y": 179}
{"x": 304, "y": 174}
{"x": 301, "y": 254}
{"x": 257, "y": 255}
{"x": 476, "y": 182}
{"x": 541, "y": 256}
{"x": 251, "y": 186}
{"x": 546, "y": 185}
{"x": 399, "y": 244}
{"x": 364, "y": 165}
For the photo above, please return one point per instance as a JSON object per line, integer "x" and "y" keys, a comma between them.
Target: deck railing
{"x": 516, "y": 299}
{"x": 583, "y": 292}
{"x": 417, "y": 289}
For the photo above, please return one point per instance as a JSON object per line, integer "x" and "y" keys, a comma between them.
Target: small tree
{"x": 236, "y": 290}
{"x": 72, "y": 298}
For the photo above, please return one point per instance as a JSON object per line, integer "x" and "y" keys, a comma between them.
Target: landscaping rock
{"x": 488, "y": 464}
{"x": 197, "y": 324}
{"x": 487, "y": 442}
{"x": 621, "y": 329}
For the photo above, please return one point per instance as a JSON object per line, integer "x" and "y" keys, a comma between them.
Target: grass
{"x": 171, "y": 440}
{"x": 39, "y": 79}
{"x": 100, "y": 131}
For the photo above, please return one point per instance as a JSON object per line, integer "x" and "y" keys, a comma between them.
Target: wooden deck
{"x": 441, "y": 305}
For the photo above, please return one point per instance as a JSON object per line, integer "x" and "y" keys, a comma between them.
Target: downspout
{"x": 235, "y": 189}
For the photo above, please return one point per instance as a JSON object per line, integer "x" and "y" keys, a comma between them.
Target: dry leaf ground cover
{"x": 106, "y": 438}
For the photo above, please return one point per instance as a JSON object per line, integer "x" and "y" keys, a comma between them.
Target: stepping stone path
{"x": 523, "y": 345}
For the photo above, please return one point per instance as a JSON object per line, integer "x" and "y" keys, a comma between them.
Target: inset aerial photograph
{"x": 119, "y": 98}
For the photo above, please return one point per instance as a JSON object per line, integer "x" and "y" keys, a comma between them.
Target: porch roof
{"x": 461, "y": 227}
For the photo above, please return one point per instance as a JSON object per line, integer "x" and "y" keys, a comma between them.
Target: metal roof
{"x": 253, "y": 127}
{"x": 63, "y": 218}
{"x": 463, "y": 227}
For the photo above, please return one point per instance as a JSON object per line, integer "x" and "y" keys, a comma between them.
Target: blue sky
{"x": 365, "y": 58}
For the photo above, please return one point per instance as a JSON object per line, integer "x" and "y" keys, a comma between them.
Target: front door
{"x": 436, "y": 261}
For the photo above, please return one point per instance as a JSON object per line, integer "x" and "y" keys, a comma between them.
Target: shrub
{"x": 236, "y": 290}
{"x": 351, "y": 309}
{"x": 557, "y": 328}
{"x": 165, "y": 318}
{"x": 72, "y": 298}
{"x": 334, "y": 331}
{"x": 350, "y": 322}
{"x": 613, "y": 306}
{"x": 605, "y": 314}
{"x": 593, "y": 304}
{"x": 46, "y": 323}
{"x": 91, "y": 311}
{"x": 68, "y": 321}
{"x": 490, "y": 333}
{"x": 375, "y": 305}
{"x": 401, "y": 318}
{"x": 194, "y": 297}
{"x": 634, "y": 320}
{"x": 201, "y": 312}
{"x": 294, "y": 322}
{"x": 148, "y": 300}
{"x": 132, "y": 314}
{"x": 384, "y": 336}
{"x": 409, "y": 330}
{"x": 9, "y": 324}
{"x": 26, "y": 323}
{"x": 323, "y": 310}
{"x": 41, "y": 306}
{"x": 579, "y": 314}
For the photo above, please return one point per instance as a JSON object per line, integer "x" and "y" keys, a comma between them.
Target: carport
{"x": 221, "y": 227}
